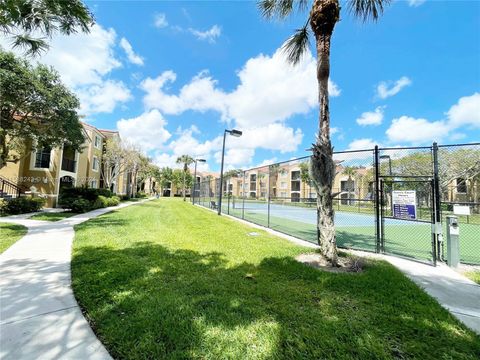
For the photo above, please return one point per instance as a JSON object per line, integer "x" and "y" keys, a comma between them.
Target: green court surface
{"x": 412, "y": 240}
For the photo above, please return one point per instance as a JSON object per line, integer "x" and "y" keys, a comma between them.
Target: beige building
{"x": 285, "y": 182}
{"x": 47, "y": 170}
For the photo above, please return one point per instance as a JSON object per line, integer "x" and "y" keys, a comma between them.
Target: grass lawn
{"x": 53, "y": 216}
{"x": 473, "y": 275}
{"x": 9, "y": 233}
{"x": 167, "y": 280}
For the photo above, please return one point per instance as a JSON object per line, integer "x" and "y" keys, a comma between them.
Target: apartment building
{"x": 45, "y": 171}
{"x": 285, "y": 182}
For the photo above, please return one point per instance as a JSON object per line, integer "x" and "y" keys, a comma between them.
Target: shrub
{"x": 105, "y": 192}
{"x": 114, "y": 201}
{"x": 140, "y": 194}
{"x": 21, "y": 205}
{"x": 80, "y": 205}
{"x": 82, "y": 199}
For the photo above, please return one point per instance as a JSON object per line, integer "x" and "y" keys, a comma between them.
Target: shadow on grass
{"x": 148, "y": 301}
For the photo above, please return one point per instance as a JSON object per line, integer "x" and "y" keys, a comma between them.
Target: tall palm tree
{"x": 186, "y": 160}
{"x": 323, "y": 16}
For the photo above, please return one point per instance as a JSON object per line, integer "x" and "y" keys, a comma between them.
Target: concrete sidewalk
{"x": 39, "y": 316}
{"x": 456, "y": 293}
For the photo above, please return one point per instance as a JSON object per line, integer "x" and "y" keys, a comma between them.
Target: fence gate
{"x": 407, "y": 218}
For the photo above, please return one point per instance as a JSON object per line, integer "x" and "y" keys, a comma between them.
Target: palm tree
{"x": 323, "y": 16}
{"x": 186, "y": 160}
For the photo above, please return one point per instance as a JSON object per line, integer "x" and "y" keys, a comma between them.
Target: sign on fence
{"x": 404, "y": 204}
{"x": 461, "y": 210}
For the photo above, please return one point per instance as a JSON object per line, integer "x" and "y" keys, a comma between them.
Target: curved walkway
{"x": 39, "y": 316}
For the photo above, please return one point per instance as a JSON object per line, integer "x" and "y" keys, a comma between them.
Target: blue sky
{"x": 172, "y": 75}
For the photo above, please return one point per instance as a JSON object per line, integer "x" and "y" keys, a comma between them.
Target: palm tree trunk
{"x": 323, "y": 17}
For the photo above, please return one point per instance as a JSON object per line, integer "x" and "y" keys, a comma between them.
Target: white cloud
{"x": 200, "y": 94}
{"x": 415, "y": 3}
{"x": 270, "y": 90}
{"x": 83, "y": 59}
{"x": 361, "y": 144}
{"x": 416, "y": 131}
{"x": 209, "y": 35}
{"x": 466, "y": 112}
{"x": 236, "y": 157}
{"x": 270, "y": 137}
{"x": 384, "y": 90}
{"x": 102, "y": 98}
{"x": 147, "y": 130}
{"x": 371, "y": 117}
{"x": 163, "y": 159}
{"x": 132, "y": 57}
{"x": 160, "y": 20}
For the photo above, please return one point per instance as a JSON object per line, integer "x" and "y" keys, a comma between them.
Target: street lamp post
{"x": 195, "y": 179}
{"x": 236, "y": 133}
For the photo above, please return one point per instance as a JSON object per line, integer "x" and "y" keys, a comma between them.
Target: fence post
{"x": 437, "y": 204}
{"x": 377, "y": 197}
{"x": 268, "y": 198}
{"x": 243, "y": 200}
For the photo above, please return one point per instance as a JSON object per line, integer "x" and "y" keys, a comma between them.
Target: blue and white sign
{"x": 404, "y": 204}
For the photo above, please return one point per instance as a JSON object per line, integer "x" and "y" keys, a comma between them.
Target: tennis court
{"x": 354, "y": 230}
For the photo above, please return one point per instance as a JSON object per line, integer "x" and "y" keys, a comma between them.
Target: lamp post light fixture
{"x": 389, "y": 162}
{"x": 195, "y": 178}
{"x": 236, "y": 133}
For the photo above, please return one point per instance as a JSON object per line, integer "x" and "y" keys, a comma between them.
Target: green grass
{"x": 9, "y": 234}
{"x": 53, "y": 216}
{"x": 406, "y": 240}
{"x": 474, "y": 276}
{"x": 167, "y": 280}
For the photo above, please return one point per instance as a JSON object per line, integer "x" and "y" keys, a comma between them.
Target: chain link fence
{"x": 281, "y": 196}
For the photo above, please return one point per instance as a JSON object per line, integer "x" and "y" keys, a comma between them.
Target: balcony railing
{"x": 68, "y": 165}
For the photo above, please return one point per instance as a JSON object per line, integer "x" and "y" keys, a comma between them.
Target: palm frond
{"x": 368, "y": 9}
{"x": 296, "y": 45}
{"x": 281, "y": 8}
{"x": 32, "y": 46}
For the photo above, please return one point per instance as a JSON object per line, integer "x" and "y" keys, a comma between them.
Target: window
{"x": 283, "y": 185}
{"x": 98, "y": 142}
{"x": 461, "y": 186}
{"x": 95, "y": 164}
{"x": 42, "y": 158}
{"x": 94, "y": 184}
{"x": 283, "y": 194}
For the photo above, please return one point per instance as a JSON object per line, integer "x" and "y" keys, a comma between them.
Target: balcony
{"x": 253, "y": 186}
{"x": 69, "y": 165}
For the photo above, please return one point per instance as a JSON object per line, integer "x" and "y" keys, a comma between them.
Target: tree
{"x": 323, "y": 16}
{"x": 304, "y": 176}
{"x": 166, "y": 177}
{"x": 186, "y": 160}
{"x": 115, "y": 162}
{"x": 36, "y": 109}
{"x": 28, "y": 22}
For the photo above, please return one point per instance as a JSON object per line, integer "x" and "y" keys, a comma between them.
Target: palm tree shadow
{"x": 148, "y": 301}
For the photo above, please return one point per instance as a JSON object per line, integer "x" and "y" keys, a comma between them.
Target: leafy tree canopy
{"x": 28, "y": 22}
{"x": 35, "y": 108}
